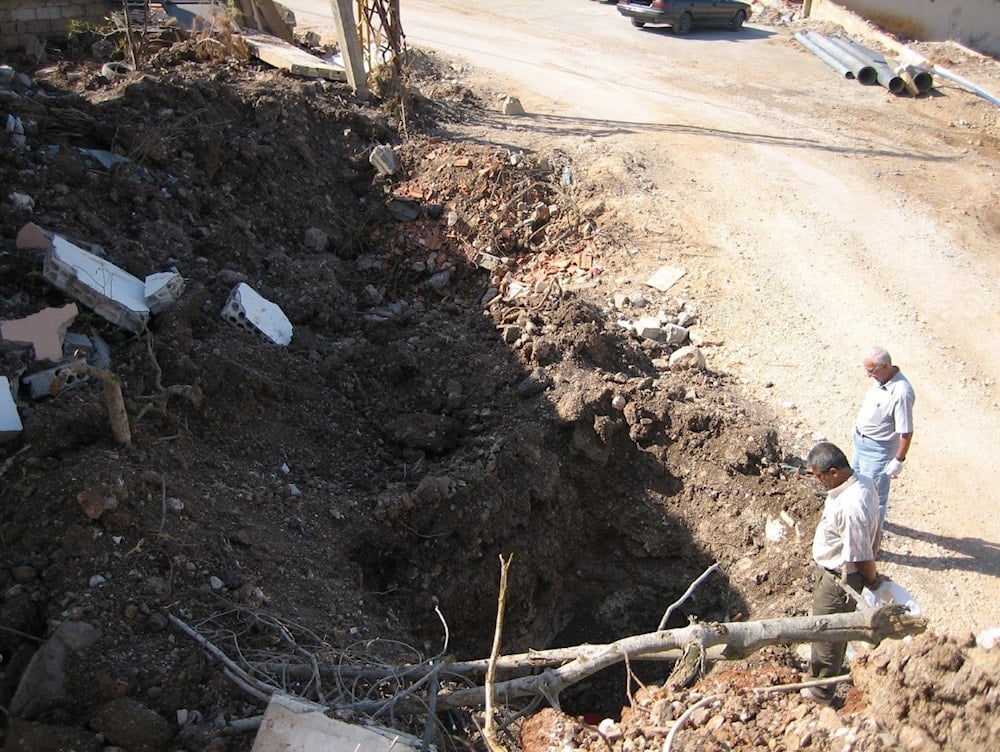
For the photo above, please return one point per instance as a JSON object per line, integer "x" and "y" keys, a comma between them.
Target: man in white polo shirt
{"x": 844, "y": 548}
{"x": 883, "y": 428}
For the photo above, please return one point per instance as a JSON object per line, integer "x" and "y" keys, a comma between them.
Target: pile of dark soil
{"x": 457, "y": 388}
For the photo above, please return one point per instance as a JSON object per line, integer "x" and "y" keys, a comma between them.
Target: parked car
{"x": 683, "y": 15}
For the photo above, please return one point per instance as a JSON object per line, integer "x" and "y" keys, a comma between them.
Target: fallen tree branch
{"x": 687, "y": 594}
{"x": 740, "y": 638}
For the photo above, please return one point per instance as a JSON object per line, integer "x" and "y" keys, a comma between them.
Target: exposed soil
{"x": 348, "y": 494}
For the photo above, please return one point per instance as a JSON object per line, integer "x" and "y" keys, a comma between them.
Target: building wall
{"x": 20, "y": 20}
{"x": 973, "y": 23}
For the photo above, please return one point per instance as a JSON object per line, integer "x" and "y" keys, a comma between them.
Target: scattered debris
{"x": 384, "y": 159}
{"x": 664, "y": 278}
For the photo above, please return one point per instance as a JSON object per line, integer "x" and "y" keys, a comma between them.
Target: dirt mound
{"x": 459, "y": 386}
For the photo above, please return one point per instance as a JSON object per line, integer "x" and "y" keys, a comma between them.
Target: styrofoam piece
{"x": 162, "y": 290}
{"x": 40, "y": 384}
{"x": 249, "y": 311}
{"x": 10, "y": 421}
{"x": 111, "y": 291}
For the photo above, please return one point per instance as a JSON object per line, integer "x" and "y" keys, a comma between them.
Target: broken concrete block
{"x": 40, "y": 384}
{"x": 247, "y": 310}
{"x": 10, "y": 421}
{"x": 44, "y": 330}
{"x": 293, "y": 724}
{"x": 384, "y": 159}
{"x": 112, "y": 292}
{"x": 664, "y": 278}
{"x": 162, "y": 290}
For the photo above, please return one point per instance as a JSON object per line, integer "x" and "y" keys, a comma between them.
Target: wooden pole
{"x": 350, "y": 47}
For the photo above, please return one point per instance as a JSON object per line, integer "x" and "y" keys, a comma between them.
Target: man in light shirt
{"x": 844, "y": 548}
{"x": 883, "y": 428}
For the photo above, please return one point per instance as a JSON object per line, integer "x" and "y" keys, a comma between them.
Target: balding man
{"x": 883, "y": 428}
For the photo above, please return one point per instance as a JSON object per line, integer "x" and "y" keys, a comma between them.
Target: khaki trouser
{"x": 829, "y": 598}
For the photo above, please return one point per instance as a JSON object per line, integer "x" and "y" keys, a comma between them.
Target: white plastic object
{"x": 889, "y": 593}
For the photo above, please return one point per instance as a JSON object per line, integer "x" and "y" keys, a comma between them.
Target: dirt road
{"x": 815, "y": 217}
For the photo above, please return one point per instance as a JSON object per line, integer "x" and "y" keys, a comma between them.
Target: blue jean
{"x": 870, "y": 459}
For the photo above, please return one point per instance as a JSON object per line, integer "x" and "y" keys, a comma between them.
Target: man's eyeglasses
{"x": 871, "y": 371}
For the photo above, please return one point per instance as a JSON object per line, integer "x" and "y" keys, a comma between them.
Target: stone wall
{"x": 23, "y": 21}
{"x": 973, "y": 23}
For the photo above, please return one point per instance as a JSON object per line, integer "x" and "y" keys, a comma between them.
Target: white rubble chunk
{"x": 687, "y": 357}
{"x": 665, "y": 277}
{"x": 384, "y": 159}
{"x": 111, "y": 291}
{"x": 10, "y": 421}
{"x": 162, "y": 290}
{"x": 248, "y": 310}
{"x": 649, "y": 327}
{"x": 293, "y": 724}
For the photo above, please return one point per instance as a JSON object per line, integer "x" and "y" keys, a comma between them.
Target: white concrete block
{"x": 249, "y": 311}
{"x": 10, "y": 421}
{"x": 112, "y": 292}
{"x": 162, "y": 290}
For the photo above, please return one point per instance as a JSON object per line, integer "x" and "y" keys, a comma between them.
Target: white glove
{"x": 893, "y": 468}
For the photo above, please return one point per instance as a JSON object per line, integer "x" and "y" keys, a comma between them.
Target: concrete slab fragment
{"x": 288, "y": 57}
{"x": 40, "y": 384}
{"x": 45, "y": 330}
{"x": 111, "y": 291}
{"x": 291, "y": 725}
{"x": 10, "y": 421}
{"x": 665, "y": 277}
{"x": 247, "y": 310}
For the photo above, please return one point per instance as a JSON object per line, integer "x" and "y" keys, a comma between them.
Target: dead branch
{"x": 687, "y": 594}
{"x": 489, "y": 731}
{"x": 740, "y": 638}
{"x": 10, "y": 460}
{"x": 159, "y": 401}
{"x": 120, "y": 428}
{"x": 669, "y": 742}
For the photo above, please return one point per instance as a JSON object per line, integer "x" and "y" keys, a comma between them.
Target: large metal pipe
{"x": 862, "y": 71}
{"x": 802, "y": 38}
{"x": 883, "y": 73}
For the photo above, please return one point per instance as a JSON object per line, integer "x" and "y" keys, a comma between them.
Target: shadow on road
{"x": 970, "y": 554}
